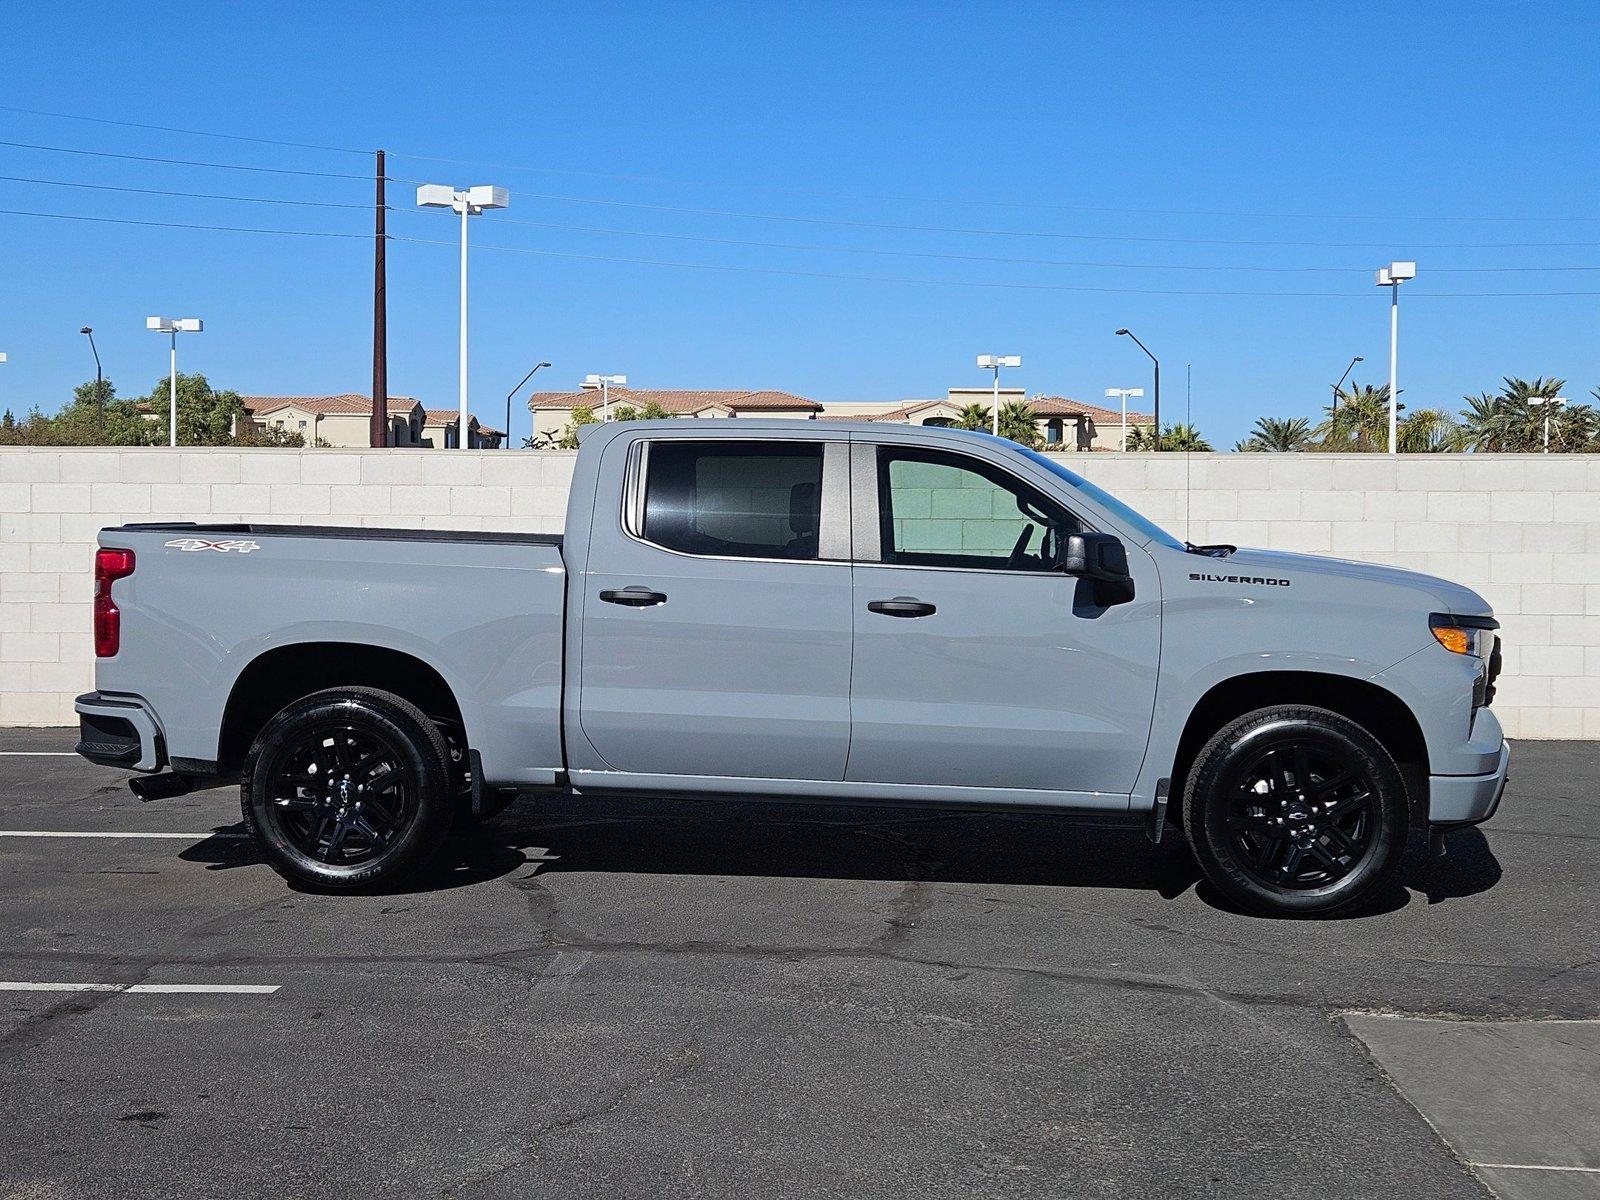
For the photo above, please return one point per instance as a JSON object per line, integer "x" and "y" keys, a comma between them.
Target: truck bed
{"x": 217, "y": 611}
{"x": 255, "y": 529}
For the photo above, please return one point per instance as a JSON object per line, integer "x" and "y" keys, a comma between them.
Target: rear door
{"x": 716, "y": 610}
{"x": 977, "y": 663}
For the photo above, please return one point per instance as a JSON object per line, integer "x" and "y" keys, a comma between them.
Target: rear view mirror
{"x": 1101, "y": 558}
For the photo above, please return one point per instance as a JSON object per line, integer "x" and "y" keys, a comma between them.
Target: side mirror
{"x": 1103, "y": 559}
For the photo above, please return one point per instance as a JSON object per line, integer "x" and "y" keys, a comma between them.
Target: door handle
{"x": 633, "y": 597}
{"x": 902, "y": 606}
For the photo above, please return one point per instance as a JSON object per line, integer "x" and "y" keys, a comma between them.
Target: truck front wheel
{"x": 1296, "y": 810}
{"x": 348, "y": 788}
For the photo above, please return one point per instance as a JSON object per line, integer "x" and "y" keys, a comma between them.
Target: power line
{"x": 325, "y": 233}
{"x": 984, "y": 258}
{"x": 800, "y": 246}
{"x": 837, "y": 221}
{"x": 744, "y": 270}
{"x": 1045, "y": 287}
{"x": 106, "y": 187}
{"x": 1077, "y": 237}
{"x": 185, "y": 162}
{"x": 232, "y": 137}
{"x": 824, "y": 194}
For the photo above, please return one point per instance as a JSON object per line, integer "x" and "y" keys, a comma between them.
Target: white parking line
{"x": 38, "y": 754}
{"x": 73, "y": 833}
{"x": 1531, "y": 1167}
{"x": 162, "y": 989}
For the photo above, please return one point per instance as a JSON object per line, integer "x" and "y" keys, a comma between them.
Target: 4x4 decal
{"x": 190, "y": 545}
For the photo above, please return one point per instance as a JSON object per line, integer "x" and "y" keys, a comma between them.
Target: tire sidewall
{"x": 416, "y": 746}
{"x": 1206, "y": 806}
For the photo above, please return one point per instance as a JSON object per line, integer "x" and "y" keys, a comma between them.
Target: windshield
{"x": 1137, "y": 520}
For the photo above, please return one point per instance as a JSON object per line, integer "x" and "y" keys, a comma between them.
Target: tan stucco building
{"x": 345, "y": 420}
{"x": 1066, "y": 425}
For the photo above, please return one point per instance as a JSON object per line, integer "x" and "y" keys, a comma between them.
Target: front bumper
{"x": 119, "y": 731}
{"x": 1467, "y": 799}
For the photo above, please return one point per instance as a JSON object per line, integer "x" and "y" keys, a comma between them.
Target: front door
{"x": 716, "y": 620}
{"x": 977, "y": 663}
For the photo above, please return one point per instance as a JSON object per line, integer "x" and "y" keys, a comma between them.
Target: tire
{"x": 305, "y": 790}
{"x": 1296, "y": 811}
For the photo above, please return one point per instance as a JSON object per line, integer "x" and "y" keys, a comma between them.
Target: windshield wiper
{"x": 1220, "y": 550}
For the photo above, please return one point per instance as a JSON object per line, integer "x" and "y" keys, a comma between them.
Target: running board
{"x": 1158, "y": 811}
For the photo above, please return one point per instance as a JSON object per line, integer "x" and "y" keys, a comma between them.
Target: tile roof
{"x": 678, "y": 400}
{"x": 344, "y": 404}
{"x": 447, "y": 416}
{"x": 1060, "y": 406}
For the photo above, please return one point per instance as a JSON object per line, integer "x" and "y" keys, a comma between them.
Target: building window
{"x": 735, "y": 499}
{"x": 1052, "y": 431}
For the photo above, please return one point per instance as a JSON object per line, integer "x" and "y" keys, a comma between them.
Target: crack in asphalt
{"x": 604, "y": 1107}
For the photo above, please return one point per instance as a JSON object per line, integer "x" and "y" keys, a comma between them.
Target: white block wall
{"x": 1524, "y": 530}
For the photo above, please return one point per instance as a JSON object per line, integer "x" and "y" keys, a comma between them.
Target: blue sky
{"x": 1150, "y": 138}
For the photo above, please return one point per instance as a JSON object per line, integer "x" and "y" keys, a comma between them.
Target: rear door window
{"x": 734, "y": 499}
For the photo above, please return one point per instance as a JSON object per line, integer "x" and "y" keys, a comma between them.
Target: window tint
{"x": 948, "y": 510}
{"x": 740, "y": 499}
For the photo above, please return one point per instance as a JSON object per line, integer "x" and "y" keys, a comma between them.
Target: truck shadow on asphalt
{"x": 809, "y": 841}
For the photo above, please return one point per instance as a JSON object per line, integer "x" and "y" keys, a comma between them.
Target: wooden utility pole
{"x": 379, "y": 432}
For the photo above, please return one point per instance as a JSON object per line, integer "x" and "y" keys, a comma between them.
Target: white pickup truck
{"x": 802, "y": 609}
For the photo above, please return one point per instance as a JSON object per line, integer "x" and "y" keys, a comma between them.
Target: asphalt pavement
{"x": 718, "y": 999}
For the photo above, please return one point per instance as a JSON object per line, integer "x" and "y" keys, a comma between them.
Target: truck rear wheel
{"x": 348, "y": 788}
{"x": 1297, "y": 811}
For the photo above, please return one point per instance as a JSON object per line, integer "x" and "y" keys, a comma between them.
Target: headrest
{"x": 803, "y": 508}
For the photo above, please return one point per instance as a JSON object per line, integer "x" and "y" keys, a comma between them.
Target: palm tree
{"x": 1017, "y": 423}
{"x": 1428, "y": 431}
{"x": 973, "y": 416}
{"x": 1510, "y": 422}
{"x": 1173, "y": 437}
{"x": 1359, "y": 420}
{"x": 1280, "y": 435}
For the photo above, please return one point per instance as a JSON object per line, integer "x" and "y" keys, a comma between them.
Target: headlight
{"x": 1463, "y": 635}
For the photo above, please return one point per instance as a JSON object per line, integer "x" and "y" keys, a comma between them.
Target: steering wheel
{"x": 1020, "y": 549}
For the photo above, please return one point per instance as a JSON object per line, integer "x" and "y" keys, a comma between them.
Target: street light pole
{"x": 1340, "y": 384}
{"x": 1129, "y": 334}
{"x": 995, "y": 362}
{"x": 99, "y": 378}
{"x": 173, "y": 326}
{"x": 1547, "y": 403}
{"x": 1124, "y": 393}
{"x": 469, "y": 202}
{"x": 512, "y": 393}
{"x": 605, "y": 382}
{"x": 1392, "y": 277}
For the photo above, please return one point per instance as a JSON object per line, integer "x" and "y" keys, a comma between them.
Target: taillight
{"x": 109, "y": 565}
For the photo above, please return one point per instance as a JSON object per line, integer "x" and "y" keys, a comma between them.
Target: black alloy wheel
{"x": 1302, "y": 814}
{"x": 348, "y": 788}
{"x": 1296, "y": 810}
{"x": 341, "y": 793}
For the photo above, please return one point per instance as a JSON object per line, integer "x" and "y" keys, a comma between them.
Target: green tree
{"x": 652, "y": 411}
{"x": 1017, "y": 423}
{"x": 1428, "y": 431}
{"x": 1358, "y": 420}
{"x": 1278, "y": 435}
{"x": 205, "y": 416}
{"x": 1178, "y": 437}
{"x": 625, "y": 412}
{"x": 582, "y": 414}
{"x": 973, "y": 416}
{"x": 1513, "y": 420}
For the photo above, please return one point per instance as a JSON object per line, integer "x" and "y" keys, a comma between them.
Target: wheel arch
{"x": 1376, "y": 709}
{"x": 278, "y": 677}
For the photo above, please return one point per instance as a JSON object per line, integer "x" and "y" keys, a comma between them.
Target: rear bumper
{"x": 119, "y": 731}
{"x": 1467, "y": 799}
